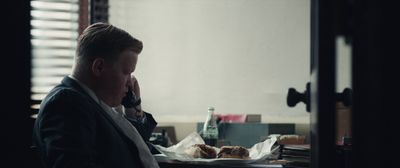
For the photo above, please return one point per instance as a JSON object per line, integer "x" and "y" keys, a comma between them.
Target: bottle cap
{"x": 211, "y": 108}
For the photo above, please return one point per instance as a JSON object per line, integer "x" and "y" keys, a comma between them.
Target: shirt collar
{"x": 91, "y": 93}
{"x": 86, "y": 89}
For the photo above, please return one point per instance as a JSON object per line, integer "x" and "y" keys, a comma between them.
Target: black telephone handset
{"x": 130, "y": 100}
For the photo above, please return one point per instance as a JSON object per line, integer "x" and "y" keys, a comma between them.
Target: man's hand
{"x": 132, "y": 101}
{"x": 135, "y": 86}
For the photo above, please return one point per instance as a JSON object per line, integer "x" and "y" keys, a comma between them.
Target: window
{"x": 54, "y": 31}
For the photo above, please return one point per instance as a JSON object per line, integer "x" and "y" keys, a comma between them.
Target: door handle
{"x": 294, "y": 97}
{"x": 345, "y": 97}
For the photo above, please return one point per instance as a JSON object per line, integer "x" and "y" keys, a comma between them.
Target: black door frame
{"x": 323, "y": 84}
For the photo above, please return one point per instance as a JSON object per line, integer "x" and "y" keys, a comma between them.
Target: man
{"x": 77, "y": 126}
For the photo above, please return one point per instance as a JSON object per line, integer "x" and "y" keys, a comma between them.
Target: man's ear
{"x": 98, "y": 66}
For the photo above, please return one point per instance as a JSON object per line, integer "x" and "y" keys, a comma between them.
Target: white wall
{"x": 343, "y": 65}
{"x": 240, "y": 56}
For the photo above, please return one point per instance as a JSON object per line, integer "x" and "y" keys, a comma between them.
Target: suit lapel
{"x": 124, "y": 127}
{"x": 67, "y": 81}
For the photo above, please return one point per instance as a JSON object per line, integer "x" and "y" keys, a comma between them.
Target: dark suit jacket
{"x": 72, "y": 130}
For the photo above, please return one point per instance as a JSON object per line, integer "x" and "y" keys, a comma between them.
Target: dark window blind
{"x": 54, "y": 31}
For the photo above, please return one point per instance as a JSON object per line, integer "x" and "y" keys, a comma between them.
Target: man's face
{"x": 117, "y": 77}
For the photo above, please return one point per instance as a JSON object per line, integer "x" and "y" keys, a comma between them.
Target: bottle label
{"x": 211, "y": 132}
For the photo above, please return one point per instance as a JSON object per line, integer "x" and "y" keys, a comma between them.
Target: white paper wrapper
{"x": 258, "y": 152}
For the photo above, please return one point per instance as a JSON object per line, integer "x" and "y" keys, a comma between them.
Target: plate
{"x": 162, "y": 157}
{"x": 225, "y": 161}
